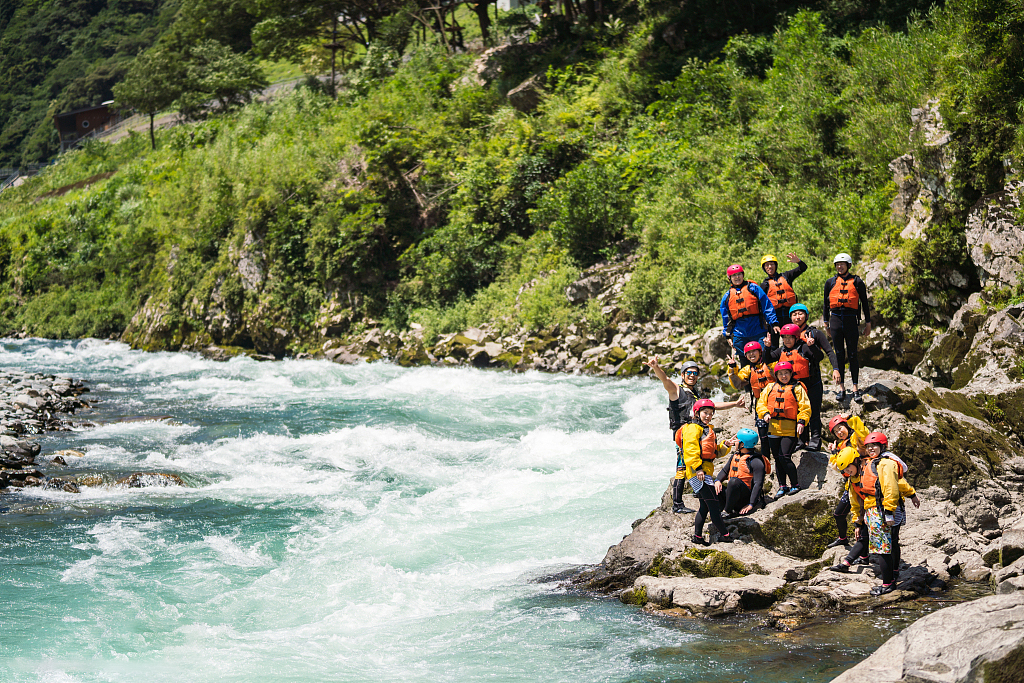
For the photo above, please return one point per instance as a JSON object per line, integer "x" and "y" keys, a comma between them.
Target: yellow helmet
{"x": 768, "y": 258}
{"x": 846, "y": 458}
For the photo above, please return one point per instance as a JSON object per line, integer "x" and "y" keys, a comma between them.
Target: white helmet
{"x": 842, "y": 258}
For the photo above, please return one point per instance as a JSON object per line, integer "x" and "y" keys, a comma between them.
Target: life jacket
{"x": 780, "y": 292}
{"x": 801, "y": 366}
{"x": 743, "y": 302}
{"x": 708, "y": 444}
{"x": 868, "y": 484}
{"x": 760, "y": 377}
{"x": 740, "y": 467}
{"x": 844, "y": 294}
{"x": 783, "y": 404}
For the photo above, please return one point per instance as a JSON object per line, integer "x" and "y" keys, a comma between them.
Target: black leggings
{"x": 782, "y": 448}
{"x": 891, "y": 562}
{"x": 842, "y": 514}
{"x": 815, "y": 393}
{"x": 708, "y": 505}
{"x": 735, "y": 496}
{"x": 845, "y": 335}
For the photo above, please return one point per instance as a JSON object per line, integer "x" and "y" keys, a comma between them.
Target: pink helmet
{"x": 703, "y": 403}
{"x": 790, "y": 330}
{"x": 752, "y": 346}
{"x": 783, "y": 365}
{"x": 733, "y": 269}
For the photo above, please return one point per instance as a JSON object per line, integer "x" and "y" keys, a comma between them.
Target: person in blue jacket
{"x": 746, "y": 310}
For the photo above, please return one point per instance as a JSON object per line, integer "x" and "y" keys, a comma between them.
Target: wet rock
{"x": 712, "y": 596}
{"x": 974, "y": 641}
{"x": 140, "y": 480}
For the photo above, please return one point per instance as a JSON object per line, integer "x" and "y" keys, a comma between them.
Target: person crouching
{"x": 746, "y": 470}
{"x": 700, "y": 447}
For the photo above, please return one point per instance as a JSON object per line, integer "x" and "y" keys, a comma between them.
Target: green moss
{"x": 943, "y": 458}
{"x": 702, "y": 563}
{"x": 910, "y": 405}
{"x": 640, "y": 596}
{"x": 1006, "y": 410}
{"x": 801, "y": 529}
{"x": 950, "y": 401}
{"x": 1007, "y": 670}
{"x": 724, "y": 564}
{"x": 700, "y": 553}
{"x": 966, "y": 371}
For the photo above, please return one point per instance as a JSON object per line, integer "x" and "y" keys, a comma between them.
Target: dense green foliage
{"x": 420, "y": 196}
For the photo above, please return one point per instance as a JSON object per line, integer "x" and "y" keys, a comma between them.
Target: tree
{"x": 217, "y": 79}
{"x": 152, "y": 84}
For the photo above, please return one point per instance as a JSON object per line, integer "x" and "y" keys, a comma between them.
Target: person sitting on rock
{"x": 681, "y": 400}
{"x": 814, "y": 337}
{"x": 779, "y": 287}
{"x": 846, "y": 300}
{"x": 785, "y": 407}
{"x": 746, "y": 311}
{"x": 700, "y": 447}
{"x": 753, "y": 377}
{"x": 746, "y": 470}
{"x": 848, "y": 431}
{"x": 877, "y": 501}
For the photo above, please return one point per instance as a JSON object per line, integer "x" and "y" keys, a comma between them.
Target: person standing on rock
{"x": 848, "y": 431}
{"x": 814, "y": 339}
{"x": 779, "y": 287}
{"x": 681, "y": 400}
{"x": 846, "y": 300}
{"x": 804, "y": 358}
{"x": 746, "y": 470}
{"x": 700, "y": 447}
{"x": 877, "y": 490}
{"x": 785, "y": 407}
{"x": 754, "y": 376}
{"x": 746, "y": 312}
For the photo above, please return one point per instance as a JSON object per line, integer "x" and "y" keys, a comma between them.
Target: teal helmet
{"x": 747, "y": 437}
{"x": 799, "y": 307}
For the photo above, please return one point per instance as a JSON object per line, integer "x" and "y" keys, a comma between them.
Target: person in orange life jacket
{"x": 745, "y": 469}
{"x": 746, "y": 311}
{"x": 814, "y": 337}
{"x": 779, "y": 287}
{"x": 754, "y": 377}
{"x": 700, "y": 447}
{"x": 877, "y": 489}
{"x": 848, "y": 431}
{"x": 680, "y": 411}
{"x": 846, "y": 300}
{"x": 805, "y": 358}
{"x": 785, "y": 407}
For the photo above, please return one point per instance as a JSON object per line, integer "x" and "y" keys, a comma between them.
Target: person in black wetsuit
{"x": 846, "y": 301}
{"x": 740, "y": 481}
{"x": 681, "y": 399}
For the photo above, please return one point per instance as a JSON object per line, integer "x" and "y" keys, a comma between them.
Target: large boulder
{"x": 996, "y": 239}
{"x": 982, "y": 640}
{"x": 712, "y": 596}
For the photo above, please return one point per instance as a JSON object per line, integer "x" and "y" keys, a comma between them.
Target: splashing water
{"x": 353, "y": 523}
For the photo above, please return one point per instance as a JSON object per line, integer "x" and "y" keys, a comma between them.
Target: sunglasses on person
{"x": 692, "y": 373}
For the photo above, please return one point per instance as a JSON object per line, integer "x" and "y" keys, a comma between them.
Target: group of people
{"x": 777, "y": 361}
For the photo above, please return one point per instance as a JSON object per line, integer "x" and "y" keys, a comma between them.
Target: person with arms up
{"x": 681, "y": 399}
{"x": 779, "y": 287}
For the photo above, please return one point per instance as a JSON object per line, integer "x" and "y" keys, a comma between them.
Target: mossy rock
{"x": 1006, "y": 410}
{"x": 702, "y": 563}
{"x": 412, "y": 356}
{"x": 910, "y": 405}
{"x": 508, "y": 359}
{"x": 616, "y": 354}
{"x": 967, "y": 370}
{"x": 953, "y": 401}
{"x": 943, "y": 458}
{"x": 631, "y": 367}
{"x": 801, "y": 529}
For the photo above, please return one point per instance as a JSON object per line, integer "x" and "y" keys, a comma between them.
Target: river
{"x": 356, "y": 523}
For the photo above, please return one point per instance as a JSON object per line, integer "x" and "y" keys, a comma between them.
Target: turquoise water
{"x": 355, "y": 523}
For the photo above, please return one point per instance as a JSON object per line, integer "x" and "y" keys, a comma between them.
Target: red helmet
{"x": 877, "y": 437}
{"x": 836, "y": 421}
{"x": 703, "y": 403}
{"x": 790, "y": 330}
{"x": 783, "y": 365}
{"x": 733, "y": 269}
{"x": 752, "y": 346}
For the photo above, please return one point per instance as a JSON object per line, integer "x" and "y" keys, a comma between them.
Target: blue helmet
{"x": 747, "y": 437}
{"x": 799, "y": 307}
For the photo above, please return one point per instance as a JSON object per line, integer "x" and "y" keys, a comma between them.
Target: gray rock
{"x": 712, "y": 596}
{"x": 996, "y": 241}
{"x": 975, "y": 641}
{"x": 526, "y": 96}
{"x": 715, "y": 347}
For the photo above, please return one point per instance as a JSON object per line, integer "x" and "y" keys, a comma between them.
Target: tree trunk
{"x": 591, "y": 11}
{"x": 485, "y": 19}
{"x": 152, "y": 135}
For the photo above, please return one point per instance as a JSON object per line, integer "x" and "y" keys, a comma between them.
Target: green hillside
{"x": 669, "y": 131}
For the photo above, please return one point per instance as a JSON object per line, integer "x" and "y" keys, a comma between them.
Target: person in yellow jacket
{"x": 699, "y": 446}
{"x": 785, "y": 407}
{"x": 877, "y": 490}
{"x": 848, "y": 430}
